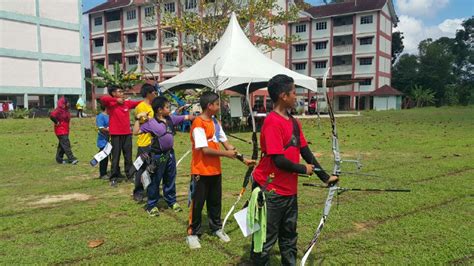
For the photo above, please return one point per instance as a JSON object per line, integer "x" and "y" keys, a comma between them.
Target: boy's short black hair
{"x": 102, "y": 107}
{"x": 159, "y": 102}
{"x": 278, "y": 84}
{"x": 147, "y": 88}
{"x": 207, "y": 97}
{"x": 111, "y": 89}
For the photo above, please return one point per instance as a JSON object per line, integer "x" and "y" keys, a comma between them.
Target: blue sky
{"x": 419, "y": 19}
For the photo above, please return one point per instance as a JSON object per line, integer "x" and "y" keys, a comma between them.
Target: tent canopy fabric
{"x": 232, "y": 64}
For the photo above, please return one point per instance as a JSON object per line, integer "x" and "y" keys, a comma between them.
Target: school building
{"x": 353, "y": 38}
{"x": 40, "y": 51}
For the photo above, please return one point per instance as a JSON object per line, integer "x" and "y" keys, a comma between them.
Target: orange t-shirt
{"x": 203, "y": 135}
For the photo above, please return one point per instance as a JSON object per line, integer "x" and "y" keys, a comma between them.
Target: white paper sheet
{"x": 241, "y": 218}
{"x": 138, "y": 163}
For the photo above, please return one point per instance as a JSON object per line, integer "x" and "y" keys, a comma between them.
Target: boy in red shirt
{"x": 282, "y": 141}
{"x": 206, "y": 183}
{"x": 118, "y": 109}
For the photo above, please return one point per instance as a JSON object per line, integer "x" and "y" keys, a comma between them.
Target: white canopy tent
{"x": 232, "y": 64}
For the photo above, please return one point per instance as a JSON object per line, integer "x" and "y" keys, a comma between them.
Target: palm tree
{"x": 118, "y": 78}
{"x": 422, "y": 96}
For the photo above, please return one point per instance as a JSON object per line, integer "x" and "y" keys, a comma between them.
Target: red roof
{"x": 386, "y": 90}
{"x": 348, "y": 7}
{"x": 110, "y": 4}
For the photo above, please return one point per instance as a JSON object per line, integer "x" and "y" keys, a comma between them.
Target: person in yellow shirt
{"x": 149, "y": 93}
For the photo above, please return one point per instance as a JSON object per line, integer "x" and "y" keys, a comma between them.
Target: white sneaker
{"x": 222, "y": 236}
{"x": 193, "y": 242}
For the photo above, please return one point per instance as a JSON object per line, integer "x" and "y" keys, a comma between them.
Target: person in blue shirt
{"x": 102, "y": 123}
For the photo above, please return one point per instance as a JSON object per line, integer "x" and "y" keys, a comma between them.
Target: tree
{"x": 422, "y": 96}
{"x": 199, "y": 33}
{"x": 397, "y": 45}
{"x": 436, "y": 66}
{"x": 117, "y": 78}
{"x": 405, "y": 73}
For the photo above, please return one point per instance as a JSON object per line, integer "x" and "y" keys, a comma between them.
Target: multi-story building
{"x": 40, "y": 51}
{"x": 352, "y": 38}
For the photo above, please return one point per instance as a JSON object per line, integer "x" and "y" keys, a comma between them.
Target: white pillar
{"x": 55, "y": 100}
{"x": 25, "y": 100}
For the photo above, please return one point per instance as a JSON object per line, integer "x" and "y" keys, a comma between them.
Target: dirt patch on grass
{"x": 60, "y": 198}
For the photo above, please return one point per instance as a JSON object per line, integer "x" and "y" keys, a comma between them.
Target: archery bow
{"x": 334, "y": 188}
{"x": 249, "y": 171}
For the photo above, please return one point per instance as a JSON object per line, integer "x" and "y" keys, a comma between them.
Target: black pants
{"x": 64, "y": 147}
{"x": 282, "y": 214}
{"x": 138, "y": 174}
{"x": 103, "y": 165}
{"x": 121, "y": 143}
{"x": 207, "y": 189}
{"x": 79, "y": 113}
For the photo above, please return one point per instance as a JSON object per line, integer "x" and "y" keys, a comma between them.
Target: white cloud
{"x": 424, "y": 8}
{"x": 415, "y": 31}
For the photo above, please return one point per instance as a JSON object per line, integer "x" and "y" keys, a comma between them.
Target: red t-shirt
{"x": 119, "y": 115}
{"x": 276, "y": 133}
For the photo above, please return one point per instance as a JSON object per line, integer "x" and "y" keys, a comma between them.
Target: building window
{"x": 150, "y": 58}
{"x": 300, "y": 66}
{"x": 190, "y": 4}
{"x": 170, "y": 57}
{"x": 321, "y": 25}
{"x": 131, "y": 14}
{"x": 300, "y": 28}
{"x": 113, "y": 37}
{"x": 366, "y": 19}
{"x": 365, "y": 61}
{"x": 150, "y": 35}
{"x": 97, "y": 21}
{"x": 366, "y": 82}
{"x": 132, "y": 60}
{"x": 99, "y": 62}
{"x": 113, "y": 16}
{"x": 321, "y": 45}
{"x": 171, "y": 33}
{"x": 169, "y": 7}
{"x": 99, "y": 42}
{"x": 366, "y": 40}
{"x": 320, "y": 64}
{"x": 149, "y": 11}
{"x": 132, "y": 38}
{"x": 300, "y": 47}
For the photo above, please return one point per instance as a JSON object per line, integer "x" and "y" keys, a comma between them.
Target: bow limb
{"x": 336, "y": 171}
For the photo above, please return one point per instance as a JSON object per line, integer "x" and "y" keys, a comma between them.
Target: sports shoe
{"x": 62, "y": 162}
{"x": 105, "y": 177}
{"x": 74, "y": 162}
{"x": 153, "y": 212}
{"x": 222, "y": 236}
{"x": 176, "y": 208}
{"x": 193, "y": 242}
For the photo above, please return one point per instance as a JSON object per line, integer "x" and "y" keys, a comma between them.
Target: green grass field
{"x": 430, "y": 151}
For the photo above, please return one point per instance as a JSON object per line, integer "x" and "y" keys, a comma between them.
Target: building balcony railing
{"x": 341, "y": 68}
{"x": 98, "y": 50}
{"x": 131, "y": 46}
{"x": 343, "y": 88}
{"x": 153, "y": 67}
{"x": 342, "y": 49}
{"x": 129, "y": 67}
{"x": 342, "y": 29}
{"x": 152, "y": 44}
{"x": 302, "y": 71}
{"x": 113, "y": 25}
{"x": 114, "y": 47}
{"x": 170, "y": 65}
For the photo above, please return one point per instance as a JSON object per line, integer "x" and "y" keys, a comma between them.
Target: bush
{"x": 19, "y": 113}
